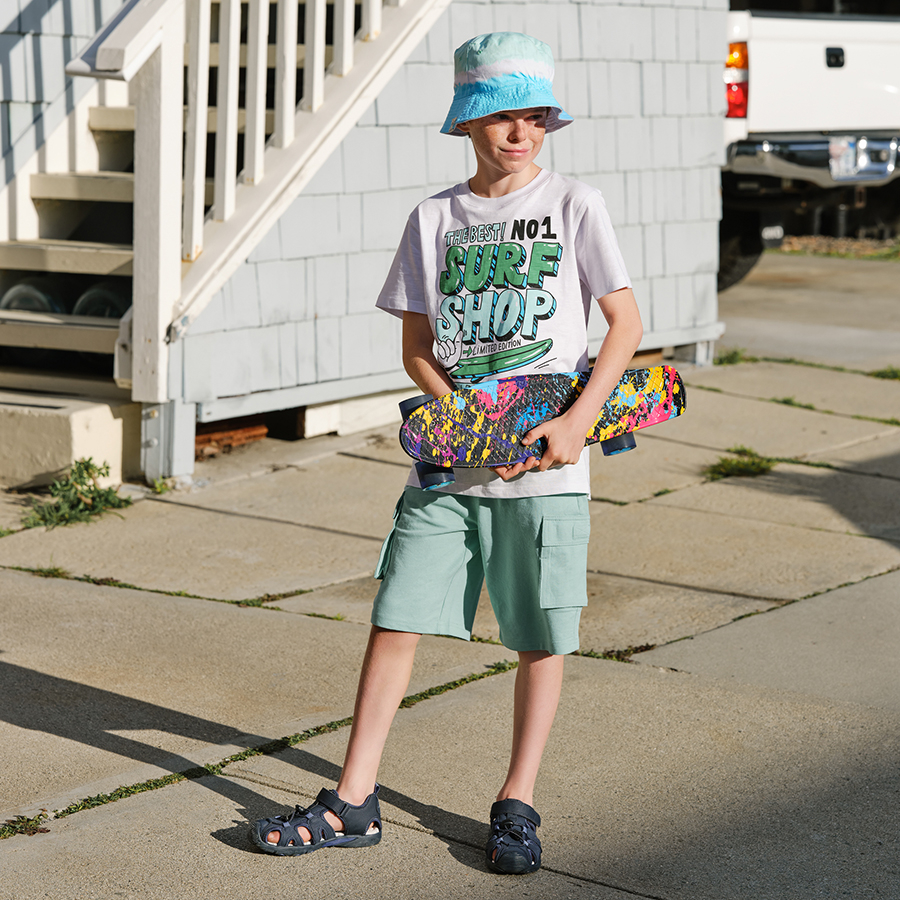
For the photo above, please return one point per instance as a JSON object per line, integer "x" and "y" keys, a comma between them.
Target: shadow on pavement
{"x": 88, "y": 715}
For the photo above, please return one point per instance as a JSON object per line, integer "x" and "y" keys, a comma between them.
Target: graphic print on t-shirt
{"x": 495, "y": 296}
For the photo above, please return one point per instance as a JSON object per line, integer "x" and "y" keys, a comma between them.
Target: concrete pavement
{"x": 751, "y": 754}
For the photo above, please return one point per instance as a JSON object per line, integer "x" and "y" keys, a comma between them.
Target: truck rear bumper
{"x": 826, "y": 160}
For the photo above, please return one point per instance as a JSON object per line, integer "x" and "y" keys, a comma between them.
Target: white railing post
{"x": 314, "y": 57}
{"x": 159, "y": 118}
{"x": 227, "y": 109}
{"x": 344, "y": 12}
{"x": 198, "y": 16}
{"x": 371, "y": 20}
{"x": 285, "y": 73}
{"x": 255, "y": 94}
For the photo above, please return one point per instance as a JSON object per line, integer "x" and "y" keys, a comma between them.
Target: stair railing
{"x": 178, "y": 269}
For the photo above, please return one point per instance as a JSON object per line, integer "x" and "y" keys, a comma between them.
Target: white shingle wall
{"x": 37, "y": 39}
{"x": 643, "y": 80}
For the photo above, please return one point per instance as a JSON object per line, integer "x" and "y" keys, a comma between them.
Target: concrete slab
{"x": 801, "y": 496}
{"x": 348, "y": 495}
{"x": 270, "y": 455}
{"x": 705, "y": 551}
{"x": 720, "y": 421}
{"x": 12, "y": 507}
{"x": 659, "y": 783}
{"x": 621, "y": 612}
{"x": 658, "y": 463}
{"x": 839, "y": 646}
{"x": 844, "y": 393}
{"x": 190, "y": 841}
{"x": 877, "y": 457}
{"x": 830, "y": 345}
{"x": 628, "y": 612}
{"x": 176, "y": 547}
{"x": 811, "y": 290}
{"x": 104, "y": 686}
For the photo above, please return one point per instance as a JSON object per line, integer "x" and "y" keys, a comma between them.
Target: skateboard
{"x": 483, "y": 425}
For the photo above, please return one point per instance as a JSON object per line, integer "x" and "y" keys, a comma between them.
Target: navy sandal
{"x": 362, "y": 826}
{"x": 513, "y": 847}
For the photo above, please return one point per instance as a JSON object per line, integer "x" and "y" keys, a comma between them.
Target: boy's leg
{"x": 383, "y": 681}
{"x": 537, "y": 690}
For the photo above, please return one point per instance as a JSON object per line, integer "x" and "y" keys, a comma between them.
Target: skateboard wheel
{"x": 431, "y": 476}
{"x": 408, "y": 407}
{"x": 620, "y": 444}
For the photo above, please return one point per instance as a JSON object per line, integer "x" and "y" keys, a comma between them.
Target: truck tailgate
{"x": 792, "y": 89}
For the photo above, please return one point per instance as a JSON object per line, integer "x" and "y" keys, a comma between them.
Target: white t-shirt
{"x": 507, "y": 284}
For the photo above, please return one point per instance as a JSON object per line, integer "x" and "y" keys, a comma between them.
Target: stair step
{"x": 121, "y": 118}
{"x": 106, "y": 187}
{"x": 57, "y": 331}
{"x": 81, "y": 257}
{"x": 103, "y": 187}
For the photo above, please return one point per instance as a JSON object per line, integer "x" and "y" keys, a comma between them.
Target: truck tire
{"x": 740, "y": 245}
{"x": 735, "y": 262}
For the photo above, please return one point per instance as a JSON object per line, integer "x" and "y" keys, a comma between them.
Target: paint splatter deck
{"x": 483, "y": 425}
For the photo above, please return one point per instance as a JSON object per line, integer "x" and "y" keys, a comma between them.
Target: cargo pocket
{"x": 563, "y": 554}
{"x": 384, "y": 558}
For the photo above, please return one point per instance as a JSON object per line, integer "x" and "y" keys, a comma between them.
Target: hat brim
{"x": 481, "y": 100}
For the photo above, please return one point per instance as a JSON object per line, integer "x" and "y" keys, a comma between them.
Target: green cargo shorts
{"x": 532, "y": 551}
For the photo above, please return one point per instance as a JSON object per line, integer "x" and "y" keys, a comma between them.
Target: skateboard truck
{"x": 430, "y": 476}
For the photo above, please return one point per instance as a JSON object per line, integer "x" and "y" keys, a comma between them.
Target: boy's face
{"x": 506, "y": 143}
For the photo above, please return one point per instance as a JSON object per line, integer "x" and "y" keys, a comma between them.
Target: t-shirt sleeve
{"x": 601, "y": 267}
{"x": 404, "y": 288}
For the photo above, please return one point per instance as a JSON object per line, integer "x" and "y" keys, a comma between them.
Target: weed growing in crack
{"x": 748, "y": 464}
{"x": 733, "y": 358}
{"x": 76, "y": 497}
{"x": 25, "y": 825}
{"x": 890, "y": 372}
{"x": 616, "y": 655}
{"x": 790, "y": 401}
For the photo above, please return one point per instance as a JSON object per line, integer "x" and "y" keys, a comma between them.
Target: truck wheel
{"x": 735, "y": 260}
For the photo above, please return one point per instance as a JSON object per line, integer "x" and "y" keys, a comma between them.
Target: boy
{"x": 501, "y": 270}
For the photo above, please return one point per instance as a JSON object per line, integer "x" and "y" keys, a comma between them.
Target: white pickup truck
{"x": 812, "y": 129}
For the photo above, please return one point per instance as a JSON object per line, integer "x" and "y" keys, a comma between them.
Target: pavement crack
{"x": 374, "y": 459}
{"x": 688, "y": 587}
{"x": 228, "y": 512}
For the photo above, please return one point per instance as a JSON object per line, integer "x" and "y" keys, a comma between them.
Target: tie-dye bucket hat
{"x": 503, "y": 70}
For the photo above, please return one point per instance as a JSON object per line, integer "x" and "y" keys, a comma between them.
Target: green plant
{"x": 161, "y": 485}
{"x": 5, "y": 531}
{"x": 25, "y": 825}
{"x": 748, "y": 464}
{"x": 790, "y": 401}
{"x": 890, "y": 372}
{"x": 732, "y": 358}
{"x": 76, "y": 497}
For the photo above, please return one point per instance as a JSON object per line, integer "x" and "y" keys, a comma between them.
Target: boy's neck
{"x": 491, "y": 186}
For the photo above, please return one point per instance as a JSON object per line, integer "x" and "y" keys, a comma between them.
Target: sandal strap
{"x": 513, "y": 807}
{"x": 356, "y": 819}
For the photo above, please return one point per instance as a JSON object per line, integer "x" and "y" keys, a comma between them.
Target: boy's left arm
{"x": 566, "y": 433}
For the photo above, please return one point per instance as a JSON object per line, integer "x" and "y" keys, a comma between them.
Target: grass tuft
{"x": 733, "y": 358}
{"x": 24, "y": 825}
{"x": 790, "y": 401}
{"x": 747, "y": 465}
{"x": 890, "y": 372}
{"x": 76, "y": 497}
{"x": 615, "y": 655}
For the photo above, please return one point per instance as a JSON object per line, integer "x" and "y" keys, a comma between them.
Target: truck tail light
{"x": 737, "y": 81}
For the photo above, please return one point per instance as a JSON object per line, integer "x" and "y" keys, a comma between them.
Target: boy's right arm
{"x": 418, "y": 356}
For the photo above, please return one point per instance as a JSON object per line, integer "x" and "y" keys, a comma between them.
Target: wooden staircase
{"x": 246, "y": 148}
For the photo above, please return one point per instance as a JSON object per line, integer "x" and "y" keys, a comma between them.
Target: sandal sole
{"x": 361, "y": 840}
